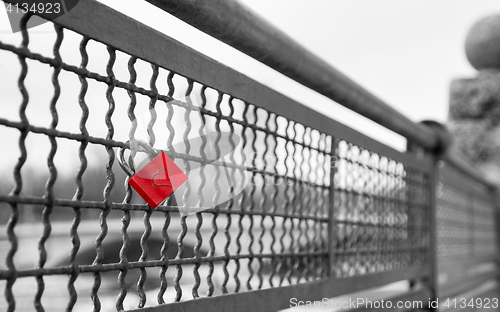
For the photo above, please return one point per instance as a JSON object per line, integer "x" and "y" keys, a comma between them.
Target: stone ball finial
{"x": 482, "y": 45}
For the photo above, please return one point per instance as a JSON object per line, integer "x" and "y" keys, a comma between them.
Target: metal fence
{"x": 467, "y": 235}
{"x": 344, "y": 213}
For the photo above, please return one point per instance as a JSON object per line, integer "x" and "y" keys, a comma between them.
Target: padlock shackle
{"x": 144, "y": 147}
{"x": 123, "y": 164}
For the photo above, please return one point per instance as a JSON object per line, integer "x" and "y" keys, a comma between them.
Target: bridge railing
{"x": 329, "y": 211}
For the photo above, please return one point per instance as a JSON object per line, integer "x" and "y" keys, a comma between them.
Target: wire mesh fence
{"x": 467, "y": 234}
{"x": 319, "y": 205}
{"x": 466, "y": 218}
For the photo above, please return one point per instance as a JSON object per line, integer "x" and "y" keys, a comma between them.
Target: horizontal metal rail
{"x": 233, "y": 23}
{"x": 238, "y": 26}
{"x": 190, "y": 63}
{"x": 459, "y": 162}
{"x": 279, "y": 298}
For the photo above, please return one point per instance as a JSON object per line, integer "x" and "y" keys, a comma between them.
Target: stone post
{"x": 474, "y": 116}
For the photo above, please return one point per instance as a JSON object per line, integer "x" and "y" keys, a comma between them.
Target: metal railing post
{"x": 434, "y": 189}
{"x": 431, "y": 281}
{"x": 332, "y": 230}
{"x": 495, "y": 193}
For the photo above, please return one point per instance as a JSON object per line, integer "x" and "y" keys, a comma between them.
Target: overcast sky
{"x": 405, "y": 52}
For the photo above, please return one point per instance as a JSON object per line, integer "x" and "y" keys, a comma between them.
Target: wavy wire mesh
{"x": 267, "y": 236}
{"x": 381, "y": 213}
{"x": 274, "y": 233}
{"x": 466, "y": 217}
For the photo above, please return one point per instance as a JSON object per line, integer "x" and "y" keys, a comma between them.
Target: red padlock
{"x": 158, "y": 180}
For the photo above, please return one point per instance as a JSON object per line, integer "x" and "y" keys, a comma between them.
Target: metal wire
{"x": 49, "y": 194}
{"x": 17, "y": 173}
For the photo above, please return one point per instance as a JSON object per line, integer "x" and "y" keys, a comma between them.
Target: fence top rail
{"x": 125, "y": 34}
{"x": 231, "y": 22}
{"x": 457, "y": 161}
